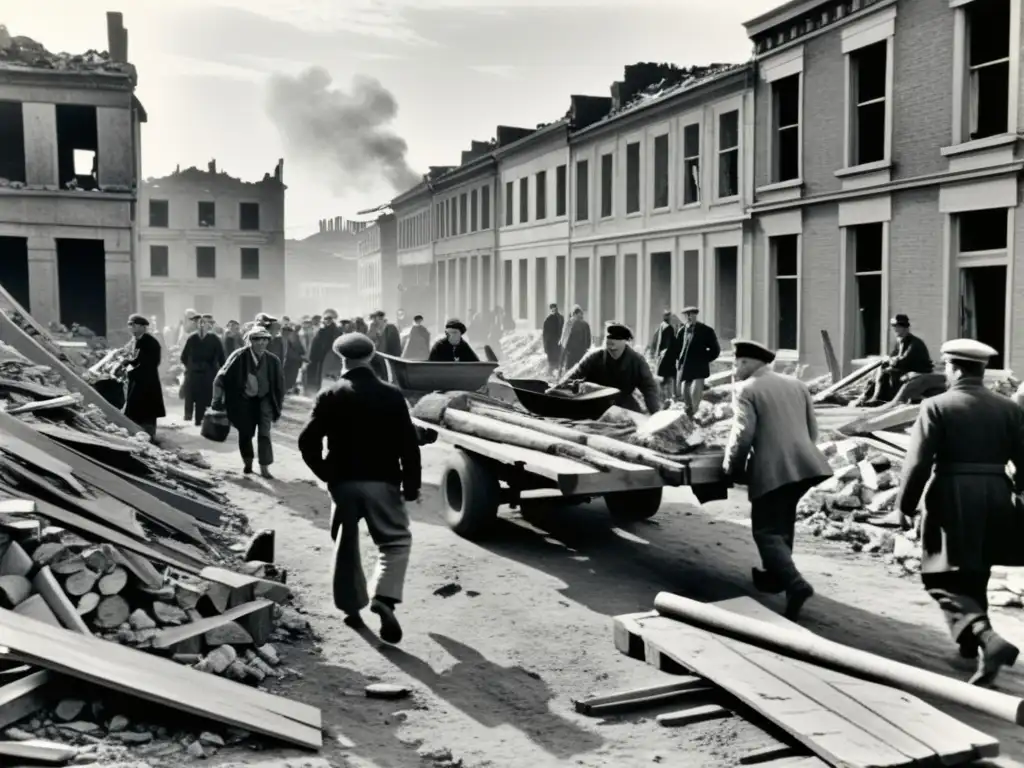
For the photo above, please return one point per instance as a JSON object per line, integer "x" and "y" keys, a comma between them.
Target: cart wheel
{"x": 634, "y": 505}
{"x": 469, "y": 495}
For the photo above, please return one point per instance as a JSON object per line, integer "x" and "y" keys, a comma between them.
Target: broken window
{"x": 14, "y": 269}
{"x": 787, "y": 291}
{"x": 250, "y": 263}
{"x": 206, "y": 262}
{"x": 249, "y": 216}
{"x": 82, "y": 284}
{"x": 867, "y": 289}
{"x": 983, "y": 307}
{"x": 786, "y": 116}
{"x": 159, "y": 261}
{"x": 582, "y": 190}
{"x": 661, "y": 171}
{"x": 77, "y": 145}
{"x": 542, "y": 195}
{"x": 159, "y": 213}
{"x": 607, "y": 188}
{"x": 691, "y": 164}
{"x": 988, "y": 64}
{"x": 524, "y": 199}
{"x": 560, "y": 190}
{"x": 207, "y": 214}
{"x": 510, "y": 203}
{"x": 12, "y": 142}
{"x": 729, "y": 154}
{"x": 473, "y": 216}
{"x": 463, "y": 213}
{"x": 633, "y": 177}
{"x": 485, "y": 207}
{"x": 867, "y": 121}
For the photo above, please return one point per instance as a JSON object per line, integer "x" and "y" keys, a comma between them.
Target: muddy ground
{"x": 502, "y": 635}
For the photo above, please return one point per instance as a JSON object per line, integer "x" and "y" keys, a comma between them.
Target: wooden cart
{"x": 481, "y": 475}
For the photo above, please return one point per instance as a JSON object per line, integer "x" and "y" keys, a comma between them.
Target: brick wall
{"x": 820, "y": 281}
{"x": 824, "y": 72}
{"x": 915, "y": 262}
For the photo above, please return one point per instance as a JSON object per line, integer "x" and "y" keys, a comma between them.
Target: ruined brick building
{"x": 69, "y": 167}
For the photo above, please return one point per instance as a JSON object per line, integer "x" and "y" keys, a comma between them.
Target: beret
{"x": 618, "y": 332}
{"x": 968, "y": 350}
{"x": 353, "y": 346}
{"x": 456, "y": 325}
{"x": 138, "y": 319}
{"x": 256, "y": 332}
{"x": 752, "y": 350}
{"x": 900, "y": 319}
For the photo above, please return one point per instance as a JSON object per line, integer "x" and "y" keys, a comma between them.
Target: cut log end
{"x": 113, "y": 582}
{"x": 87, "y": 603}
{"x": 79, "y": 583}
{"x": 112, "y": 612}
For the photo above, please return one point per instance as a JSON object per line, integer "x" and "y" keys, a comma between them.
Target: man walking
{"x": 365, "y": 481}
{"x": 250, "y": 388}
{"x": 323, "y": 363}
{"x": 552, "y": 337}
{"x": 144, "y": 401}
{"x": 417, "y": 342}
{"x": 202, "y": 356}
{"x": 772, "y": 448}
{"x": 956, "y": 462}
{"x": 696, "y": 348}
{"x": 664, "y": 351}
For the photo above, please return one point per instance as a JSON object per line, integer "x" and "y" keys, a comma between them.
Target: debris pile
{"x": 522, "y": 356}
{"x": 23, "y": 52}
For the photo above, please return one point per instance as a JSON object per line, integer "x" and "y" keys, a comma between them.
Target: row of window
{"x": 206, "y": 215}
{"x": 206, "y": 262}
{"x": 463, "y": 213}
{"x": 414, "y": 231}
{"x": 540, "y": 197}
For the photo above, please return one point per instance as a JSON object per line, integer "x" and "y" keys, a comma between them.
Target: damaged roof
{"x": 25, "y": 54}
{"x": 195, "y": 175}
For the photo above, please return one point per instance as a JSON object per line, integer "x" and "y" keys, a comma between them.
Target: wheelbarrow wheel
{"x": 469, "y": 495}
{"x": 641, "y": 504}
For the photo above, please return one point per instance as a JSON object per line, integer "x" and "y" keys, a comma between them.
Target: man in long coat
{"x": 323, "y": 363}
{"x": 232, "y": 337}
{"x": 386, "y": 339}
{"x": 250, "y": 388}
{"x": 202, "y": 356}
{"x": 957, "y": 462}
{"x": 417, "y": 341}
{"x": 576, "y": 340}
{"x": 696, "y": 348}
{"x": 551, "y": 334}
{"x": 664, "y": 352}
{"x": 772, "y": 448}
{"x": 144, "y": 401}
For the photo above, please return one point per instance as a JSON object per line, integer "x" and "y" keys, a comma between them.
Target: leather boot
{"x": 796, "y": 596}
{"x": 996, "y": 652}
{"x": 766, "y": 582}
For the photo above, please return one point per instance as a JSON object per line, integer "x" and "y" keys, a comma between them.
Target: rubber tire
{"x": 642, "y": 504}
{"x": 469, "y": 495}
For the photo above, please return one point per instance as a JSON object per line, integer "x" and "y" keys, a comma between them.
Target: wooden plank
{"x": 172, "y": 637}
{"x": 95, "y": 474}
{"x": 198, "y": 509}
{"x": 30, "y": 388}
{"x": 36, "y": 608}
{"x": 17, "y": 507}
{"x": 771, "y": 755}
{"x": 37, "y": 353}
{"x": 896, "y": 417}
{"x": 38, "y": 751}
{"x": 843, "y": 383}
{"x": 77, "y": 437}
{"x": 652, "y": 694}
{"x": 949, "y": 737}
{"x": 824, "y": 732}
{"x": 152, "y": 678}
{"x": 834, "y": 369}
{"x": 54, "y": 403}
{"x": 46, "y": 585}
{"x": 41, "y": 459}
{"x": 25, "y": 696}
{"x": 693, "y": 715}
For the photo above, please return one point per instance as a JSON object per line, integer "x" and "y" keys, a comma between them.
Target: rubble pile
{"x": 20, "y": 51}
{"x": 522, "y": 356}
{"x": 80, "y": 358}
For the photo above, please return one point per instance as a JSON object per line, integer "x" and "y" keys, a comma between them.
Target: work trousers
{"x": 692, "y": 392}
{"x": 773, "y": 524}
{"x": 387, "y": 519}
{"x": 149, "y": 427}
{"x": 259, "y": 422}
{"x": 192, "y": 409}
{"x": 962, "y": 597}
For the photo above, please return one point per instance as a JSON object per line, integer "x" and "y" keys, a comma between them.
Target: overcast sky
{"x": 455, "y": 70}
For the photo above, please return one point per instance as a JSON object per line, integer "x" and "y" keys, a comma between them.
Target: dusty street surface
{"x": 520, "y": 626}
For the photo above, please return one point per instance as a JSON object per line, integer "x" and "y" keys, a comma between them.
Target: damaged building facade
{"x": 887, "y": 175}
{"x": 377, "y": 276}
{"x": 69, "y": 167}
{"x": 213, "y": 243}
{"x": 320, "y": 270}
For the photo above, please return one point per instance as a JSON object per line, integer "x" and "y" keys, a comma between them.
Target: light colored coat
{"x": 774, "y": 426}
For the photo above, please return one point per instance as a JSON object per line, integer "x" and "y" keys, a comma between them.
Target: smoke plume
{"x": 345, "y": 136}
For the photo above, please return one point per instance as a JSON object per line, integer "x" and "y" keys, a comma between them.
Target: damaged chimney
{"x": 587, "y": 110}
{"x": 279, "y": 170}
{"x": 212, "y": 166}
{"x": 117, "y": 37}
{"x": 507, "y": 134}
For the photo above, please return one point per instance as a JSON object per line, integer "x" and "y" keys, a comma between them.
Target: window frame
{"x": 540, "y": 201}
{"x": 876, "y": 28}
{"x": 797, "y": 277}
{"x": 775, "y": 130}
{"x": 581, "y": 199}
{"x": 241, "y": 218}
{"x": 485, "y": 207}
{"x": 167, "y": 260}
{"x": 167, "y": 213}
{"x": 720, "y": 110}
{"x": 561, "y": 190}
{"x": 628, "y": 143}
{"x": 213, "y": 249}
{"x": 524, "y": 200}
{"x": 241, "y": 263}
{"x": 610, "y": 157}
{"x": 199, "y": 214}
{"x": 687, "y": 160}
{"x": 653, "y": 138}
{"x": 510, "y": 203}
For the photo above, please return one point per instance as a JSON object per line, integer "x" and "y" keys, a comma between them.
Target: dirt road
{"x": 501, "y": 636}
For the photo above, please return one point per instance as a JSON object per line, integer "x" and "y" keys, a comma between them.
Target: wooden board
{"x": 199, "y": 509}
{"x": 30, "y": 388}
{"x": 38, "y": 751}
{"x": 24, "y": 696}
{"x": 834, "y": 369}
{"x": 39, "y": 458}
{"x": 11, "y": 334}
{"x": 172, "y": 636}
{"x": 78, "y": 437}
{"x": 570, "y": 477}
{"x": 154, "y": 679}
{"x": 895, "y": 417}
{"x": 46, "y": 585}
{"x": 843, "y": 383}
{"x": 95, "y": 474}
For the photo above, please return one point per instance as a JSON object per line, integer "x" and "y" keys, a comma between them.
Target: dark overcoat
{"x": 322, "y": 360}
{"x": 552, "y": 334}
{"x": 232, "y": 377}
{"x": 144, "y": 401}
{"x": 956, "y": 461}
{"x": 662, "y": 348}
{"x": 694, "y": 359}
{"x": 577, "y": 342}
{"x": 202, "y": 357}
{"x": 417, "y": 344}
{"x": 444, "y": 352}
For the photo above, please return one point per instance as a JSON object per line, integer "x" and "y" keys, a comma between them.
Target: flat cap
{"x": 968, "y": 350}
{"x": 456, "y": 325}
{"x": 256, "y": 332}
{"x": 353, "y": 346}
{"x": 136, "y": 319}
{"x": 618, "y": 332}
{"x": 691, "y": 310}
{"x": 900, "y": 320}
{"x": 752, "y": 350}
{"x": 207, "y": 316}
{"x": 264, "y": 319}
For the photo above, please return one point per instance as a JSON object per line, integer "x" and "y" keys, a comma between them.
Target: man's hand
{"x": 217, "y": 405}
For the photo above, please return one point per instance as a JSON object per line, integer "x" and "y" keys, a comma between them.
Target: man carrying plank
{"x": 365, "y": 481}
{"x": 775, "y": 427}
{"x": 973, "y": 519}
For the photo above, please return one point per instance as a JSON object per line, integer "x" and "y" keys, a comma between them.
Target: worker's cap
{"x": 900, "y": 320}
{"x": 256, "y": 333}
{"x": 417, "y": 318}
{"x": 455, "y": 325}
{"x": 189, "y": 312}
{"x": 195, "y": 316}
{"x": 618, "y": 332}
{"x": 666, "y": 315}
{"x": 552, "y": 305}
{"x": 232, "y": 322}
{"x": 285, "y": 319}
{"x": 377, "y": 313}
{"x": 752, "y": 350}
{"x": 968, "y": 351}
{"x": 207, "y": 316}
{"x": 137, "y": 319}
{"x": 353, "y": 346}
{"x": 691, "y": 310}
